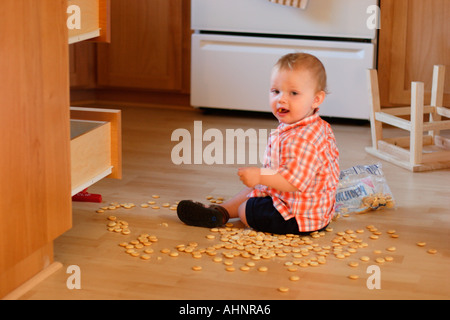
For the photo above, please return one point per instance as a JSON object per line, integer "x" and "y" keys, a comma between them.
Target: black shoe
{"x": 196, "y": 214}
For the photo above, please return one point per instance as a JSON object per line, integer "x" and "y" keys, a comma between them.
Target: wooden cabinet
{"x": 147, "y": 62}
{"x": 35, "y": 202}
{"x": 41, "y": 166}
{"x": 93, "y": 17}
{"x": 414, "y": 36}
{"x": 82, "y": 65}
{"x": 146, "y": 51}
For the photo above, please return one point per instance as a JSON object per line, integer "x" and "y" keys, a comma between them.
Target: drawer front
{"x": 90, "y": 155}
{"x": 233, "y": 72}
{"x": 88, "y": 19}
{"x": 96, "y": 146}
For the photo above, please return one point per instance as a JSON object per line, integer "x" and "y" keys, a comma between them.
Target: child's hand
{"x": 250, "y": 176}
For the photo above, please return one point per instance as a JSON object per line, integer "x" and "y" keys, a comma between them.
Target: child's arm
{"x": 253, "y": 176}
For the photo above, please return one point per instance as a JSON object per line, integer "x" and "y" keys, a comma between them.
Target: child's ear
{"x": 318, "y": 99}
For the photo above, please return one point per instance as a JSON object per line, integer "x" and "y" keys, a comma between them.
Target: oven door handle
{"x": 302, "y": 4}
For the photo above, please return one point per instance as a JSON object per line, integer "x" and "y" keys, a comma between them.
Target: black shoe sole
{"x": 195, "y": 214}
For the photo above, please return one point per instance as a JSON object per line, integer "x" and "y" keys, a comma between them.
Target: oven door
{"x": 233, "y": 72}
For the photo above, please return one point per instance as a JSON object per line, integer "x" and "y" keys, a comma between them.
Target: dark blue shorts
{"x": 263, "y": 216}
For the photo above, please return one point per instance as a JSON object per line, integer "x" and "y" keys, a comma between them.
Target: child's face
{"x": 293, "y": 95}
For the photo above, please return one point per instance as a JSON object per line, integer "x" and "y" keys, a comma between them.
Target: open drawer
{"x": 89, "y": 20}
{"x": 96, "y": 146}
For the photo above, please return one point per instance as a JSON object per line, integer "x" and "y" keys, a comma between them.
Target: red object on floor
{"x": 85, "y": 196}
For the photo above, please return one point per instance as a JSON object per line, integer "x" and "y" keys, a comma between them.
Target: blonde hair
{"x": 300, "y": 60}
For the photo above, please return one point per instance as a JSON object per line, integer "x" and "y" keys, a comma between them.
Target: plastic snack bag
{"x": 363, "y": 188}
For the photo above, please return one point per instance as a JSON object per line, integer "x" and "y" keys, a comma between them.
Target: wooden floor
{"x": 422, "y": 214}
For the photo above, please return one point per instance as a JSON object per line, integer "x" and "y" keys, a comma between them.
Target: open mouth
{"x": 282, "y": 110}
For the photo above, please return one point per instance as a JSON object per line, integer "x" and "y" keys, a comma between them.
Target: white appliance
{"x": 236, "y": 43}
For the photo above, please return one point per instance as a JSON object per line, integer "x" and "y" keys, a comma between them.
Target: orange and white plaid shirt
{"x": 306, "y": 155}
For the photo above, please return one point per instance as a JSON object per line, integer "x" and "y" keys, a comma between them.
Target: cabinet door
{"x": 146, "y": 46}
{"x": 82, "y": 65}
{"x": 35, "y": 202}
{"x": 414, "y": 36}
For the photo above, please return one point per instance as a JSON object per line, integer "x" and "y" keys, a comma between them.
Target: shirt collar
{"x": 304, "y": 122}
